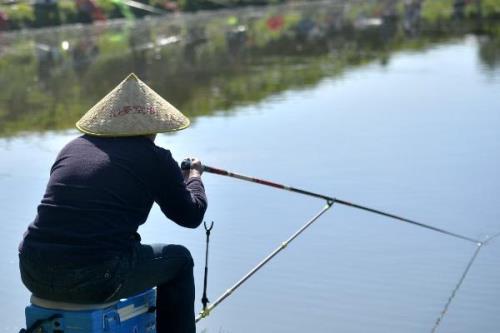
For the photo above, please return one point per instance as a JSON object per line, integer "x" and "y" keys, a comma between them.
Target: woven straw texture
{"x": 131, "y": 109}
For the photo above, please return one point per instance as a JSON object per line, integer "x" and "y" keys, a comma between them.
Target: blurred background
{"x": 392, "y": 104}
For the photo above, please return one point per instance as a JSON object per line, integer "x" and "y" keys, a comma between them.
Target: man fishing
{"x": 83, "y": 246}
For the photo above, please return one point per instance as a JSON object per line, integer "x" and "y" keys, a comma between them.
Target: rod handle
{"x": 186, "y": 165}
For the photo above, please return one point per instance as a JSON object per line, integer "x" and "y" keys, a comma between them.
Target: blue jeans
{"x": 168, "y": 267}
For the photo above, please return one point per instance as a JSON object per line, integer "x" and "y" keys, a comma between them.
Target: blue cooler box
{"x": 136, "y": 314}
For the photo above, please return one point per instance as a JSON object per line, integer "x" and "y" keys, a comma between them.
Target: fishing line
{"x": 461, "y": 280}
{"x": 454, "y": 292}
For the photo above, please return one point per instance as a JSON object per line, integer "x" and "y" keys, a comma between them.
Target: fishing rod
{"x": 186, "y": 165}
{"x": 207, "y": 309}
{"x": 330, "y": 201}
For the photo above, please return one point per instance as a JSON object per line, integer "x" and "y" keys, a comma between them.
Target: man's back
{"x": 100, "y": 191}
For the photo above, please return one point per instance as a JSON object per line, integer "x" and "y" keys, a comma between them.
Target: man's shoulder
{"x": 112, "y": 146}
{"x": 79, "y": 140}
{"x": 162, "y": 151}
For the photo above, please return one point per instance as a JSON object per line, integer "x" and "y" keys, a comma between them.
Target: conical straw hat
{"x": 131, "y": 109}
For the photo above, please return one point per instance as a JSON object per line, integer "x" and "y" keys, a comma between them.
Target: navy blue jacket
{"x": 101, "y": 190}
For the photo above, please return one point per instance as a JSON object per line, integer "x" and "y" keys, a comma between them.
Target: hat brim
{"x": 110, "y": 135}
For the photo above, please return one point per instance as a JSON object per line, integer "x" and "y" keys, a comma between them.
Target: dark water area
{"x": 380, "y": 103}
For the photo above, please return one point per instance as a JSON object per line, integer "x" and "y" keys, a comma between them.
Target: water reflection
{"x": 209, "y": 62}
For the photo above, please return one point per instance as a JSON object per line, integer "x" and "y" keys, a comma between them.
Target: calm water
{"x": 401, "y": 121}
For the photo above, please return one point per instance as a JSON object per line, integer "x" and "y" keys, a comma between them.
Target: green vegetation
{"x": 19, "y": 15}
{"x": 206, "y": 64}
{"x": 24, "y": 15}
{"x": 433, "y": 11}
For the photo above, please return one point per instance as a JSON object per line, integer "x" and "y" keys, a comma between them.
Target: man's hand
{"x": 195, "y": 171}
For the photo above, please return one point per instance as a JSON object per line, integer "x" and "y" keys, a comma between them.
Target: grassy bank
{"x": 22, "y": 14}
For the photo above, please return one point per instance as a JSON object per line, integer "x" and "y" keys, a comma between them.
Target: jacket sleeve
{"x": 184, "y": 203}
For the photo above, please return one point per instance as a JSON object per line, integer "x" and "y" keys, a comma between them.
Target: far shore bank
{"x": 22, "y": 14}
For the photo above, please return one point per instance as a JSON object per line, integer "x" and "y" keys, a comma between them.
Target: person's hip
{"x": 74, "y": 281}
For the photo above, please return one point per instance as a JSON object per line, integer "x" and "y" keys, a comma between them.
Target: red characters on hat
{"x": 131, "y": 109}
